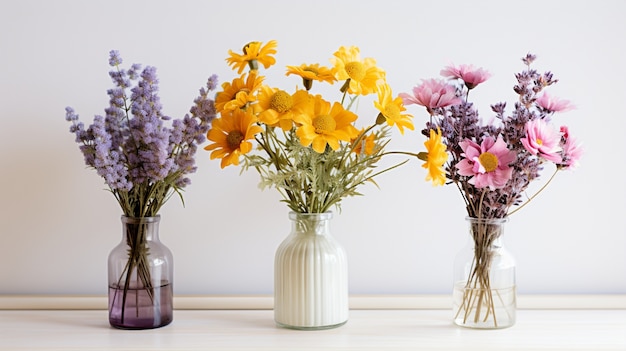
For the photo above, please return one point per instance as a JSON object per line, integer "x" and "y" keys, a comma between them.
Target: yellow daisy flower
{"x": 366, "y": 145}
{"x": 362, "y": 76}
{"x": 279, "y": 108}
{"x": 325, "y": 125}
{"x": 311, "y": 72}
{"x": 253, "y": 54}
{"x": 238, "y": 93}
{"x": 435, "y": 157}
{"x": 230, "y": 134}
{"x": 391, "y": 109}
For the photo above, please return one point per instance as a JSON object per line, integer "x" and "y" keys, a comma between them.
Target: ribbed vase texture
{"x": 311, "y": 276}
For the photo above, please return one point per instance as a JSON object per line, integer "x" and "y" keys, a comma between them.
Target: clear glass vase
{"x": 310, "y": 276}
{"x": 140, "y": 272}
{"x": 484, "y": 278}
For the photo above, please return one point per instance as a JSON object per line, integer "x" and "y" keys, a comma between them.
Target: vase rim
{"x": 488, "y": 220}
{"x": 319, "y": 215}
{"x": 138, "y": 220}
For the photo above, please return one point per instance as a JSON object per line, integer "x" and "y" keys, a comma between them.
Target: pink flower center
{"x": 489, "y": 161}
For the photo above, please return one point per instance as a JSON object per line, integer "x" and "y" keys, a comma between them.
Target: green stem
{"x": 535, "y": 195}
{"x": 137, "y": 261}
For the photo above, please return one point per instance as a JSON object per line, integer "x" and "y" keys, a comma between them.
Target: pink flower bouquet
{"x": 492, "y": 164}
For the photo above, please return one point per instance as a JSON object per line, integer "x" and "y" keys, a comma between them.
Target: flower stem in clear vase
{"x": 484, "y": 293}
{"x": 140, "y": 277}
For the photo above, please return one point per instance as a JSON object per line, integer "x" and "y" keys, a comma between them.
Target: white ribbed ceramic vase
{"x": 310, "y": 276}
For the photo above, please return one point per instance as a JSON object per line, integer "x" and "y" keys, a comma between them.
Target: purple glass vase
{"x": 140, "y": 271}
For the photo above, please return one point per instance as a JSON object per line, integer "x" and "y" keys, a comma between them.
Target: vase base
{"x": 477, "y": 308}
{"x": 123, "y": 327}
{"x": 143, "y": 309}
{"x": 318, "y": 327}
{"x": 484, "y": 326}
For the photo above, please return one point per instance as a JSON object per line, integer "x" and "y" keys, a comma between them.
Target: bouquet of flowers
{"x": 492, "y": 164}
{"x": 307, "y": 147}
{"x": 143, "y": 161}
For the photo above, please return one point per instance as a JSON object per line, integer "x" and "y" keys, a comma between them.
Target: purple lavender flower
{"x": 529, "y": 59}
{"x": 134, "y": 71}
{"x": 212, "y": 82}
{"x": 204, "y": 107}
{"x": 114, "y": 58}
{"x": 140, "y": 158}
{"x": 120, "y": 78}
{"x": 106, "y": 159}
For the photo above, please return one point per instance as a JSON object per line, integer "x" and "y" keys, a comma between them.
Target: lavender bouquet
{"x": 491, "y": 164}
{"x": 143, "y": 160}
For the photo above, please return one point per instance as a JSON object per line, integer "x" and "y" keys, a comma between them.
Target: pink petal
{"x": 465, "y": 167}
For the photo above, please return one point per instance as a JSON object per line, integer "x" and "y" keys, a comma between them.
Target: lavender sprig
{"x": 140, "y": 158}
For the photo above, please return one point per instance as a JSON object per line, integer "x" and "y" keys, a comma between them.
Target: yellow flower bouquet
{"x": 315, "y": 152}
{"x": 309, "y": 148}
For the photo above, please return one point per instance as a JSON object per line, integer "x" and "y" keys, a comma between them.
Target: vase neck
{"x": 310, "y": 223}
{"x": 486, "y": 232}
{"x": 141, "y": 228}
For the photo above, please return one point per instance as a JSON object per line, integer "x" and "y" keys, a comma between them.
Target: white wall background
{"x": 57, "y": 223}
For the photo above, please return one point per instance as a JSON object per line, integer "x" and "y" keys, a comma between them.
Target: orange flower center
{"x": 281, "y": 101}
{"x": 355, "y": 70}
{"x": 324, "y": 124}
{"x": 489, "y": 161}
{"x": 539, "y": 141}
{"x": 234, "y": 139}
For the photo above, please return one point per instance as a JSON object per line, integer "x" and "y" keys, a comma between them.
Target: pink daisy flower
{"x": 554, "y": 104}
{"x": 468, "y": 73}
{"x": 432, "y": 93}
{"x": 572, "y": 151}
{"x": 487, "y": 163}
{"x": 542, "y": 140}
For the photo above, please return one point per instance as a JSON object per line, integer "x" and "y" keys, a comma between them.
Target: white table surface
{"x": 419, "y": 329}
